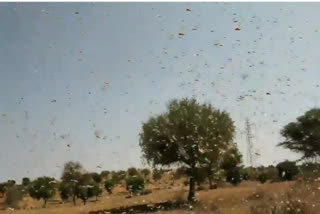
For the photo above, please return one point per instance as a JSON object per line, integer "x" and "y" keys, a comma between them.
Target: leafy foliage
{"x": 96, "y": 177}
{"x": 72, "y": 179}
{"x": 118, "y": 176}
{"x": 42, "y": 188}
{"x": 230, "y": 163}
{"x": 157, "y": 174}
{"x": 188, "y": 133}
{"x": 135, "y": 184}
{"x": 132, "y": 171}
{"x": 303, "y": 136}
{"x": 287, "y": 170}
{"x": 108, "y": 185}
{"x": 263, "y": 177}
{"x": 25, "y": 181}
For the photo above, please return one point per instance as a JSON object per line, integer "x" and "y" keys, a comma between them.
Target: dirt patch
{"x": 145, "y": 208}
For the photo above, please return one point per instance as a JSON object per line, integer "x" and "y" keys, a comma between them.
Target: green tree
{"x": 118, "y": 176}
{"x": 25, "y": 181}
{"x": 132, "y": 171}
{"x": 287, "y": 170}
{"x": 263, "y": 177}
{"x": 105, "y": 174}
{"x": 94, "y": 191}
{"x": 303, "y": 136}
{"x": 96, "y": 177}
{"x": 188, "y": 133}
{"x": 135, "y": 184}
{"x": 83, "y": 187}
{"x": 108, "y": 185}
{"x": 231, "y": 165}
{"x": 157, "y": 174}
{"x": 3, "y": 188}
{"x": 71, "y": 175}
{"x": 42, "y": 188}
{"x": 11, "y": 183}
{"x": 145, "y": 172}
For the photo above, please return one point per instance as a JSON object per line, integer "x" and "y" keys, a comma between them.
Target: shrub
{"x": 135, "y": 184}
{"x": 157, "y": 174}
{"x": 132, "y": 171}
{"x": 233, "y": 176}
{"x": 14, "y": 195}
{"x": 108, "y": 185}
{"x": 287, "y": 170}
{"x": 263, "y": 177}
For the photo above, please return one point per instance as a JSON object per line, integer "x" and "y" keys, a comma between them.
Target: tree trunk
{"x": 45, "y": 203}
{"x": 74, "y": 199}
{"x": 210, "y": 182}
{"x": 96, "y": 198}
{"x": 84, "y": 201}
{"x": 191, "y": 196}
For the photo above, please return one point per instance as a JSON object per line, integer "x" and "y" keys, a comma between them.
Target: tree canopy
{"x": 188, "y": 133}
{"x": 42, "y": 188}
{"x": 303, "y": 136}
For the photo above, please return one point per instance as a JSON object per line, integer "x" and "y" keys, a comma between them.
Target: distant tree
{"x": 94, "y": 191}
{"x": 13, "y": 196}
{"x": 230, "y": 164}
{"x": 287, "y": 170}
{"x": 303, "y": 136}
{"x": 145, "y": 172}
{"x": 96, "y": 177}
{"x": 263, "y": 177}
{"x": 104, "y": 174}
{"x": 108, "y": 185}
{"x": 25, "y": 181}
{"x": 132, "y": 171}
{"x": 83, "y": 187}
{"x": 135, "y": 184}
{"x": 310, "y": 170}
{"x": 11, "y": 183}
{"x": 3, "y": 189}
{"x": 188, "y": 133}
{"x": 118, "y": 176}
{"x": 42, "y": 188}
{"x": 157, "y": 174}
{"x": 71, "y": 175}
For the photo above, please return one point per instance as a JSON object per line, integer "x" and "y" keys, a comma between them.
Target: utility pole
{"x": 249, "y": 143}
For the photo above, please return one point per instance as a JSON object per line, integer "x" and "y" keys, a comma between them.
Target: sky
{"x": 77, "y": 80}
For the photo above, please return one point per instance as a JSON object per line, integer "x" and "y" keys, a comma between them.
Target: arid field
{"x": 248, "y": 197}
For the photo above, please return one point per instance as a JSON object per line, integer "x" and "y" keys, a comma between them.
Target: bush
{"x": 132, "y": 171}
{"x": 108, "y": 185}
{"x": 117, "y": 177}
{"x": 233, "y": 176}
{"x": 14, "y": 195}
{"x": 145, "y": 172}
{"x": 135, "y": 184}
{"x": 263, "y": 177}
{"x": 287, "y": 170}
{"x": 157, "y": 174}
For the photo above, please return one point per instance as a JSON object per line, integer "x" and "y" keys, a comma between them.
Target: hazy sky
{"x": 77, "y": 80}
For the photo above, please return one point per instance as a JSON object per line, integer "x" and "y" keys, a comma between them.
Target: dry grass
{"x": 248, "y": 198}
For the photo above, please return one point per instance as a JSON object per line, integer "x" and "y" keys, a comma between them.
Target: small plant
{"x": 135, "y": 184}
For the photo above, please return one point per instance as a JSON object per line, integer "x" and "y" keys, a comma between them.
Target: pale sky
{"x": 71, "y": 71}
